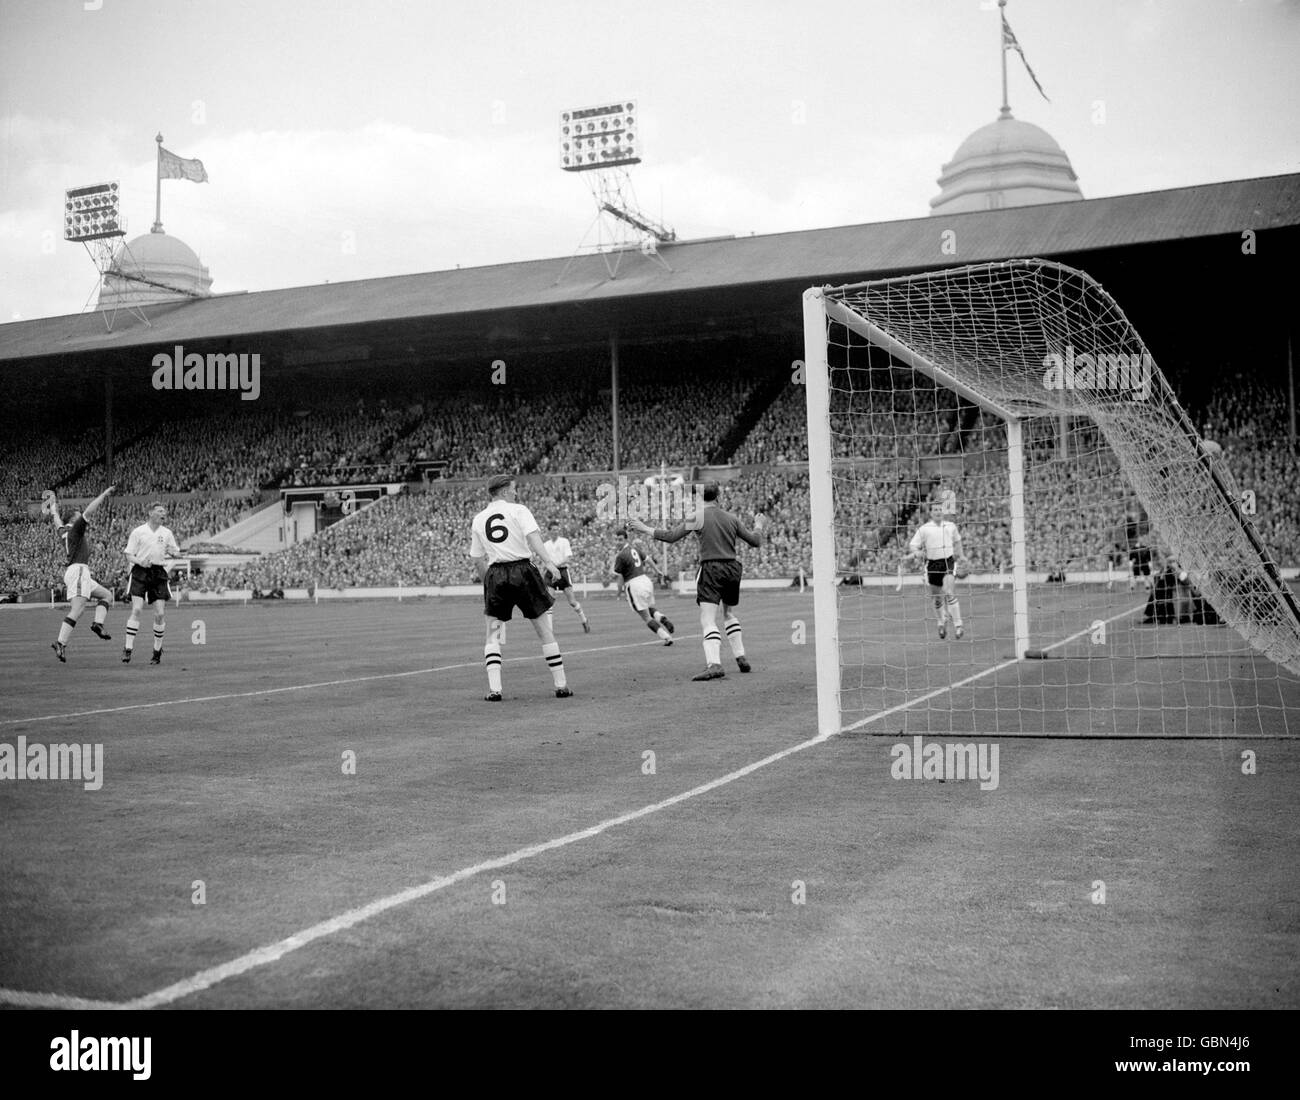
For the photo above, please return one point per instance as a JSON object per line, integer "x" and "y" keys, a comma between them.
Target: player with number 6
{"x": 503, "y": 538}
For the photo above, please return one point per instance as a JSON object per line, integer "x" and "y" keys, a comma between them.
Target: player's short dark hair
{"x": 710, "y": 490}
{"x": 155, "y": 504}
{"x": 498, "y": 482}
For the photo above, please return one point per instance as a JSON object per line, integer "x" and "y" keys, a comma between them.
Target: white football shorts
{"x": 640, "y": 593}
{"x": 79, "y": 582}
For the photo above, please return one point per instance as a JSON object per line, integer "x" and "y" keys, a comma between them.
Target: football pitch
{"x": 315, "y": 808}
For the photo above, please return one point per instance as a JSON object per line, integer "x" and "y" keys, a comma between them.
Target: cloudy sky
{"x": 345, "y": 140}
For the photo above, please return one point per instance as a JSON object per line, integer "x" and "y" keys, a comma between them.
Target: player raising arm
{"x": 502, "y": 537}
{"x": 148, "y": 546}
{"x": 718, "y": 584}
{"x": 939, "y": 542}
{"x": 80, "y": 584}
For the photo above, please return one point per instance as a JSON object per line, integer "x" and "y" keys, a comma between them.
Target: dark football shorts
{"x": 718, "y": 582}
{"x": 150, "y": 583}
{"x": 563, "y": 582}
{"x": 1140, "y": 556}
{"x": 511, "y": 584}
{"x": 936, "y": 569}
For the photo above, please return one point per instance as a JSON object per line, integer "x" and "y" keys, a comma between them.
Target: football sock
{"x": 713, "y": 647}
{"x": 551, "y": 651}
{"x": 654, "y": 626}
{"x": 733, "y": 636}
{"x": 158, "y": 636}
{"x": 132, "y": 626}
{"x": 954, "y": 609}
{"x": 101, "y": 613}
{"x": 492, "y": 662}
{"x": 65, "y": 631}
{"x": 582, "y": 616}
{"x": 938, "y": 606}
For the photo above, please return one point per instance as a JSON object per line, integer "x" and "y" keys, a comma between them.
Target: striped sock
{"x": 733, "y": 636}
{"x": 65, "y": 630}
{"x": 132, "y": 628}
{"x": 551, "y": 651}
{"x": 157, "y": 637}
{"x": 713, "y": 647}
{"x": 492, "y": 662}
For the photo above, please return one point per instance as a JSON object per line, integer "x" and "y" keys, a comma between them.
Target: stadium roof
{"x": 809, "y": 257}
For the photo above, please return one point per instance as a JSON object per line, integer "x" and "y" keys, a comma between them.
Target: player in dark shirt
{"x": 635, "y": 583}
{"x": 718, "y": 584}
{"x": 80, "y": 584}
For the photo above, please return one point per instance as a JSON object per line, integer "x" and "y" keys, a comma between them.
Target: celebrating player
{"x": 147, "y": 548}
{"x": 561, "y": 553}
{"x": 80, "y": 584}
{"x": 629, "y": 566}
{"x": 940, "y": 542}
{"x": 503, "y": 536}
{"x": 718, "y": 584}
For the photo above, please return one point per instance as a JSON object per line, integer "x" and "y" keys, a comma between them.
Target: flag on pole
{"x": 1009, "y": 42}
{"x": 172, "y": 167}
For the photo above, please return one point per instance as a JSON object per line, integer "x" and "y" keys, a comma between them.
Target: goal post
{"x": 1018, "y": 396}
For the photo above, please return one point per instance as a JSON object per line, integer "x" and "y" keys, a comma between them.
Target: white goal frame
{"x": 819, "y": 309}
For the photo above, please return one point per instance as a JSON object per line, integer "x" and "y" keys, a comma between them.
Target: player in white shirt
{"x": 503, "y": 538}
{"x": 939, "y": 541}
{"x": 561, "y": 553}
{"x": 148, "y": 546}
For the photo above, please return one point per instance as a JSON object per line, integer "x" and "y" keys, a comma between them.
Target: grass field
{"x": 546, "y": 862}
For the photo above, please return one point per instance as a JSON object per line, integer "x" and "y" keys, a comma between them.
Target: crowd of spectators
{"x": 1075, "y": 500}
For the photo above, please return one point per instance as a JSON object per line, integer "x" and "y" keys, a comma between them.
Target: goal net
{"x": 1117, "y": 585}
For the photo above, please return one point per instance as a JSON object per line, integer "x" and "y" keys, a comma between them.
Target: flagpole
{"x": 1002, "y": 37}
{"x": 157, "y": 210}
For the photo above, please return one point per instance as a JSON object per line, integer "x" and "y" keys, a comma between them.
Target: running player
{"x": 561, "y": 553}
{"x": 148, "y": 547}
{"x": 939, "y": 541}
{"x": 503, "y": 536}
{"x": 629, "y": 567}
{"x": 718, "y": 584}
{"x": 80, "y": 584}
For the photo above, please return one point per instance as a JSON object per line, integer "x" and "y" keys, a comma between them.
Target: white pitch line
{"x": 205, "y": 979}
{"x": 308, "y": 687}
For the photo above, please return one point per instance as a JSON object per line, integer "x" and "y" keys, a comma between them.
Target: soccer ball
{"x": 1210, "y": 447}
{"x": 962, "y": 571}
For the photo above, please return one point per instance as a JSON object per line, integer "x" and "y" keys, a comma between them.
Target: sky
{"x": 350, "y": 140}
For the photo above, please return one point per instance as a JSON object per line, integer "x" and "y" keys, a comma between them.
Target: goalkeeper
{"x": 147, "y": 549}
{"x": 940, "y": 542}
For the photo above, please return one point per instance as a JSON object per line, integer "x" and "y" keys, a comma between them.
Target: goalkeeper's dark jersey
{"x": 75, "y": 541}
{"x": 718, "y": 531}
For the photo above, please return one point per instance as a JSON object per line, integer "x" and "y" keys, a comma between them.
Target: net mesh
{"x": 1137, "y": 548}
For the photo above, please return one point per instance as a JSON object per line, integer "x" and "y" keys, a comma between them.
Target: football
{"x": 962, "y": 571}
